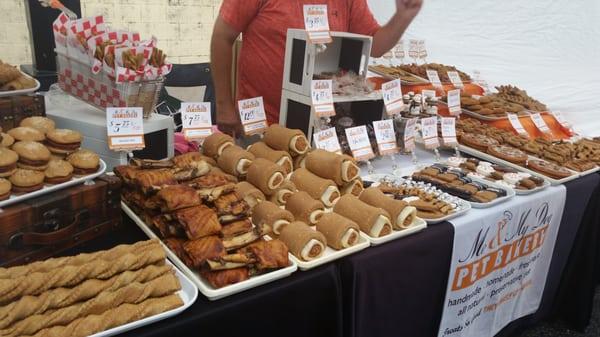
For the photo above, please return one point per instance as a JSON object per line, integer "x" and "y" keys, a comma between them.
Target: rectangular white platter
{"x": 417, "y": 226}
{"x": 22, "y": 91}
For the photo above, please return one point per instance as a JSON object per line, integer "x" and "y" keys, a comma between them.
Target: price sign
{"x": 392, "y": 97}
{"x": 125, "y": 128}
{"x": 454, "y": 102}
{"x": 539, "y": 122}
{"x": 516, "y": 124}
{"x": 386, "y": 137}
{"x": 322, "y": 98}
{"x": 477, "y": 79}
{"x": 449, "y": 131}
{"x": 454, "y": 77}
{"x": 429, "y": 131}
{"x": 252, "y": 115}
{"x": 426, "y": 94}
{"x": 413, "y": 49}
{"x": 410, "y": 129}
{"x": 434, "y": 78}
{"x": 358, "y": 140}
{"x": 399, "y": 50}
{"x": 421, "y": 49}
{"x": 327, "y": 140}
{"x": 195, "y": 120}
{"x": 316, "y": 23}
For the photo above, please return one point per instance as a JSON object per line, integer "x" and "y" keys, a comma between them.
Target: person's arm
{"x": 389, "y": 34}
{"x": 221, "y": 55}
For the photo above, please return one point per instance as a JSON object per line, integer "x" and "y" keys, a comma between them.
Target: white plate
{"x": 22, "y": 91}
{"x": 188, "y": 294}
{"x": 417, "y": 226}
{"x": 331, "y": 254}
{"x": 51, "y": 188}
{"x": 204, "y": 287}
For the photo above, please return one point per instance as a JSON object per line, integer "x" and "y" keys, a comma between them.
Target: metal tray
{"x": 22, "y": 91}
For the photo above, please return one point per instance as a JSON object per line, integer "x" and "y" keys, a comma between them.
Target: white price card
{"x": 358, "y": 140}
{"x": 427, "y": 94}
{"x": 196, "y": 120}
{"x": 429, "y": 130}
{"x": 316, "y": 23}
{"x": 322, "y": 98}
{"x": 516, "y": 124}
{"x": 449, "y": 131}
{"x": 392, "y": 97}
{"x": 327, "y": 140}
{"x": 454, "y": 77}
{"x": 386, "y": 136}
{"x": 125, "y": 128}
{"x": 399, "y": 50}
{"x": 410, "y": 130}
{"x": 252, "y": 115}
{"x": 422, "y": 50}
{"x": 454, "y": 102}
{"x": 413, "y": 49}
{"x": 434, "y": 78}
{"x": 561, "y": 120}
{"x": 539, "y": 122}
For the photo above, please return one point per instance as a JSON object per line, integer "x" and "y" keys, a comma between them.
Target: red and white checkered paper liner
{"x": 61, "y": 24}
{"x": 116, "y": 37}
{"x": 87, "y": 28}
{"x": 89, "y": 89}
{"x": 125, "y": 74}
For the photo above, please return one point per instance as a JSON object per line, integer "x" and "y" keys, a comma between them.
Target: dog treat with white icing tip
{"x": 290, "y": 140}
{"x": 282, "y": 158}
{"x": 235, "y": 161}
{"x": 305, "y": 208}
{"x": 339, "y": 168}
{"x": 214, "y": 144}
{"x": 303, "y": 242}
{"x": 339, "y": 231}
{"x": 265, "y": 175}
{"x": 270, "y": 214}
{"x": 402, "y": 215}
{"x": 372, "y": 220}
{"x": 319, "y": 188}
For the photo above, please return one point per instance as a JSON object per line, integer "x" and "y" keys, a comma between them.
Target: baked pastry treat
{"x": 318, "y": 188}
{"x": 402, "y": 215}
{"x": 374, "y": 221}
{"x": 300, "y": 161}
{"x": 282, "y": 158}
{"x": 283, "y": 193}
{"x": 214, "y": 144}
{"x": 187, "y": 160}
{"x": 84, "y": 162}
{"x": 303, "y": 242}
{"x": 580, "y": 165}
{"x": 265, "y": 175}
{"x": 8, "y": 162}
{"x": 340, "y": 232}
{"x": 281, "y": 138}
{"x": 478, "y": 141}
{"x": 63, "y": 141}
{"x": 549, "y": 169}
{"x": 32, "y": 155}
{"x": 25, "y": 133}
{"x": 305, "y": 208}
{"x": 355, "y": 187}
{"x": 236, "y": 228}
{"x": 340, "y": 168}
{"x": 249, "y": 193}
{"x": 5, "y": 188}
{"x": 235, "y": 161}
{"x": 151, "y": 180}
{"x": 221, "y": 278}
{"x": 200, "y": 250}
{"x": 58, "y": 171}
{"x": 197, "y": 222}
{"x": 267, "y": 213}
{"x": 43, "y": 124}
{"x": 175, "y": 197}
{"x": 508, "y": 153}
{"x": 6, "y": 140}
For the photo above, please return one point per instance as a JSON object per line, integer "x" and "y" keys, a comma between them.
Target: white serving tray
{"x": 417, "y": 226}
{"x": 205, "y": 288}
{"x": 510, "y": 193}
{"x": 517, "y": 191}
{"x": 188, "y": 294}
{"x": 52, "y": 188}
{"x": 22, "y": 91}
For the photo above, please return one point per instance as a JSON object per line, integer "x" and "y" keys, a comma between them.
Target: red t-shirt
{"x": 264, "y": 24}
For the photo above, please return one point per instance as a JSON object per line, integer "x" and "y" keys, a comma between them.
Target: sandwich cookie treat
{"x": 267, "y": 213}
{"x": 214, "y": 144}
{"x": 305, "y": 208}
{"x": 372, "y": 220}
{"x": 25, "y": 133}
{"x": 292, "y": 141}
{"x": 283, "y": 193}
{"x": 235, "y": 161}
{"x": 319, "y": 188}
{"x": 303, "y": 242}
{"x": 355, "y": 187}
{"x": 42, "y": 124}
{"x": 5, "y": 188}
{"x": 339, "y": 231}
{"x": 63, "y": 141}
{"x": 402, "y": 215}
{"x": 6, "y": 140}
{"x": 32, "y": 155}
{"x": 84, "y": 162}
{"x": 282, "y": 158}
{"x": 265, "y": 175}
{"x": 58, "y": 171}
{"x": 8, "y": 162}
{"x": 25, "y": 181}
{"x": 340, "y": 168}
{"x": 249, "y": 193}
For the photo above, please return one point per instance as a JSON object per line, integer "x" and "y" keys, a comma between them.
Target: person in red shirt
{"x": 264, "y": 24}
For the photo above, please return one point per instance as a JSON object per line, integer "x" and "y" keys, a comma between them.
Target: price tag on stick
{"x": 454, "y": 77}
{"x": 434, "y": 78}
{"x": 410, "y": 129}
{"x": 429, "y": 131}
{"x": 454, "y": 102}
{"x": 449, "y": 131}
{"x": 422, "y": 50}
{"x": 516, "y": 124}
{"x": 125, "y": 128}
{"x": 358, "y": 140}
{"x": 196, "y": 120}
{"x": 316, "y": 23}
{"x": 322, "y": 98}
{"x": 413, "y": 49}
{"x": 399, "y": 51}
{"x": 392, "y": 97}
{"x": 386, "y": 137}
{"x": 252, "y": 115}
{"x": 327, "y": 140}
{"x": 540, "y": 123}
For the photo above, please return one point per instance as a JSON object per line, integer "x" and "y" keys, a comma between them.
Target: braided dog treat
{"x": 69, "y": 276}
{"x": 133, "y": 293}
{"x": 63, "y": 297}
{"x": 120, "y": 315}
{"x": 52, "y": 264}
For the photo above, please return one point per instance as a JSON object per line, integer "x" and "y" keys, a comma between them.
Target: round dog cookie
{"x": 549, "y": 169}
{"x": 508, "y": 153}
{"x": 479, "y": 142}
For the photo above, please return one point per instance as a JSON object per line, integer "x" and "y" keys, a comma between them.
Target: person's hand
{"x": 228, "y": 120}
{"x": 408, "y": 8}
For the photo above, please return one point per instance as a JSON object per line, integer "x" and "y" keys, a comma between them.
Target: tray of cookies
{"x": 488, "y": 108}
{"x": 396, "y": 72}
{"x": 15, "y": 82}
{"x": 432, "y": 204}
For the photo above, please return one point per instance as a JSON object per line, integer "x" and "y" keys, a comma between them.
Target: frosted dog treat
{"x": 402, "y": 215}
{"x": 235, "y": 161}
{"x": 270, "y": 214}
{"x": 265, "y": 175}
{"x": 282, "y": 158}
{"x": 214, "y": 144}
{"x": 319, "y": 188}
{"x": 372, "y": 220}
{"x": 304, "y": 242}
{"x": 339, "y": 231}
{"x": 340, "y": 168}
{"x": 305, "y": 208}
{"x": 292, "y": 141}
